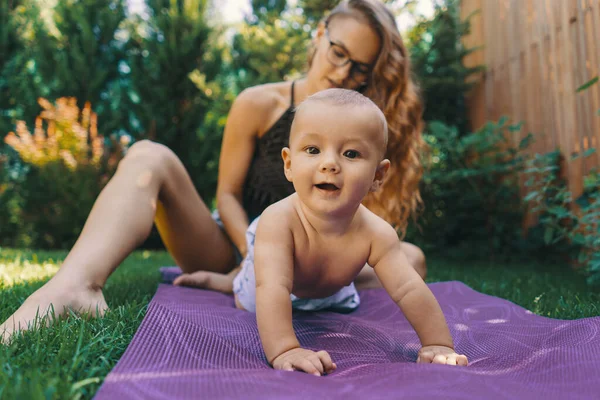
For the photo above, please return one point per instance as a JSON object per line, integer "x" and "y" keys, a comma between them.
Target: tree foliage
{"x": 78, "y": 55}
{"x": 437, "y": 55}
{"x": 19, "y": 83}
{"x": 172, "y": 68}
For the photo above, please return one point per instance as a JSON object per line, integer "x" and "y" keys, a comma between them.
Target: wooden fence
{"x": 537, "y": 53}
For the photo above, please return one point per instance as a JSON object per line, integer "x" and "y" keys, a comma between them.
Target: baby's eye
{"x": 351, "y": 154}
{"x": 312, "y": 150}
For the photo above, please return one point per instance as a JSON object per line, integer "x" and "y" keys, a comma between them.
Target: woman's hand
{"x": 299, "y": 359}
{"x": 440, "y": 355}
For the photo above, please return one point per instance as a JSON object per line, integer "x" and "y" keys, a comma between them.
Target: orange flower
{"x": 70, "y": 136}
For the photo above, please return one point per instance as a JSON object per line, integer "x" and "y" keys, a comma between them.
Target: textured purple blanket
{"x": 195, "y": 344}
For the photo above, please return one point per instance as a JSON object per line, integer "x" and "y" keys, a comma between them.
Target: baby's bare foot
{"x": 207, "y": 280}
{"x": 52, "y": 300}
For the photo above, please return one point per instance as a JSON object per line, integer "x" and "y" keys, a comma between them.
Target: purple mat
{"x": 195, "y": 344}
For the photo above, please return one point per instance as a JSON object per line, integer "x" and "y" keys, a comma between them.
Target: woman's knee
{"x": 152, "y": 157}
{"x": 367, "y": 279}
{"x": 421, "y": 264}
{"x": 416, "y": 258}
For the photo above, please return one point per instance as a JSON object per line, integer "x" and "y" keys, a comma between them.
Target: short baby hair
{"x": 347, "y": 98}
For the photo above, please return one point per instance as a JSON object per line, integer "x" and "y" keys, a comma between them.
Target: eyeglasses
{"x": 338, "y": 56}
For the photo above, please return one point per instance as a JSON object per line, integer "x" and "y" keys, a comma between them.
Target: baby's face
{"x": 335, "y": 156}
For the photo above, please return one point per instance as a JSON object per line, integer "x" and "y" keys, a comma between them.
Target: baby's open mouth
{"x": 327, "y": 186}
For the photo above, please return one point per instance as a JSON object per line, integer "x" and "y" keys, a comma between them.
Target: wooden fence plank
{"x": 537, "y": 52}
{"x": 594, "y": 43}
{"x": 571, "y": 134}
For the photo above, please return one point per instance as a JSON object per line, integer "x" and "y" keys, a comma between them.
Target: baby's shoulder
{"x": 375, "y": 227}
{"x": 280, "y": 213}
{"x": 383, "y": 237}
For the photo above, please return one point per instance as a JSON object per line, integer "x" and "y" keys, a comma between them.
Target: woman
{"x": 356, "y": 47}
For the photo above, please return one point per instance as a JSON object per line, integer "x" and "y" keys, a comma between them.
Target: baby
{"x": 308, "y": 248}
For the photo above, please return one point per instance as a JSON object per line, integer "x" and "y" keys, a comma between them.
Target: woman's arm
{"x": 244, "y": 122}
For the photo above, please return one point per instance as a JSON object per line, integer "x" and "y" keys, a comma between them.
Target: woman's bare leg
{"x": 367, "y": 279}
{"x": 150, "y": 181}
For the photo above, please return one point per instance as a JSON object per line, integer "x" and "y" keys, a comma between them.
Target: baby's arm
{"x": 409, "y": 291}
{"x": 273, "y": 265}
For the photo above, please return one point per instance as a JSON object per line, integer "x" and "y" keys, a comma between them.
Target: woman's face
{"x": 346, "y": 51}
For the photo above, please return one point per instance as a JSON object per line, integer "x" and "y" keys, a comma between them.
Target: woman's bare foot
{"x": 208, "y": 280}
{"x": 53, "y": 300}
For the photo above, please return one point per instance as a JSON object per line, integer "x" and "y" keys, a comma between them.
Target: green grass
{"x": 71, "y": 358}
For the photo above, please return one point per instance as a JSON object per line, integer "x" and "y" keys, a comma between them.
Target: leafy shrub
{"x": 471, "y": 190}
{"x": 562, "y": 220}
{"x": 571, "y": 224}
{"x": 62, "y": 168}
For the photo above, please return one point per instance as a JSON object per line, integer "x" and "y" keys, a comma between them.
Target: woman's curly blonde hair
{"x": 391, "y": 87}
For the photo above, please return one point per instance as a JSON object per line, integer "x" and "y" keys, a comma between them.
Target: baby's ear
{"x": 287, "y": 163}
{"x": 382, "y": 169}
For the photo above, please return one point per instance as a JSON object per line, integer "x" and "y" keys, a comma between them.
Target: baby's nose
{"x": 330, "y": 166}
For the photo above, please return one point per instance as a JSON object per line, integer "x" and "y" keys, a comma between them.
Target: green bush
{"x": 471, "y": 190}
{"x": 474, "y": 208}
{"x": 564, "y": 222}
{"x": 572, "y": 225}
{"x": 11, "y": 170}
{"x": 61, "y": 168}
{"x": 55, "y": 204}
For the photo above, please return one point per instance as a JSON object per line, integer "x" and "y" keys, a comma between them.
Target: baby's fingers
{"x": 456, "y": 359}
{"x": 287, "y": 366}
{"x": 308, "y": 366}
{"x": 451, "y": 360}
{"x": 328, "y": 364}
{"x": 462, "y": 360}
{"x": 439, "y": 359}
{"x": 425, "y": 357}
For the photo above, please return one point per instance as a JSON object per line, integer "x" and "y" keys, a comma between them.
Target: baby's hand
{"x": 440, "y": 355}
{"x": 305, "y": 360}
